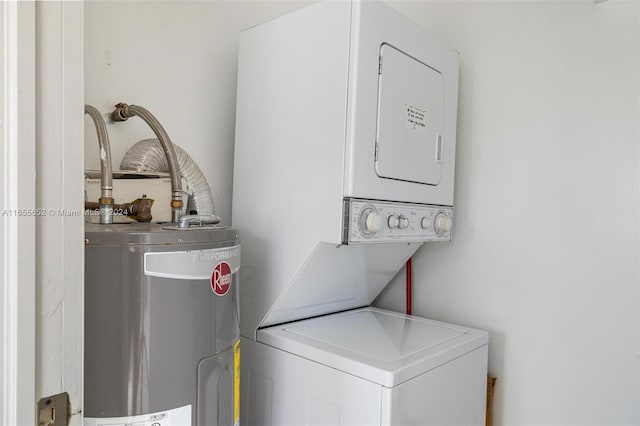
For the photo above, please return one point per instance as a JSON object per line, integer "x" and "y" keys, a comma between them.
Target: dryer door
{"x": 410, "y": 121}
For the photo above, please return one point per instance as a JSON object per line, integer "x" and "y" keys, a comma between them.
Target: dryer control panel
{"x": 368, "y": 221}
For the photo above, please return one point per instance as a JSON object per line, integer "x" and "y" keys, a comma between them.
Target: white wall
{"x": 546, "y": 246}
{"x": 177, "y": 59}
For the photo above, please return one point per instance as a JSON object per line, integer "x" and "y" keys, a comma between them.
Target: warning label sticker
{"x": 416, "y": 118}
{"x": 221, "y": 278}
{"x": 176, "y": 417}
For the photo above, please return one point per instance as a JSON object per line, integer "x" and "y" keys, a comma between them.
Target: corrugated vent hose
{"x": 148, "y": 156}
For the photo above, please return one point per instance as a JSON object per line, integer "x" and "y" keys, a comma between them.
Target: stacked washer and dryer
{"x": 344, "y": 167}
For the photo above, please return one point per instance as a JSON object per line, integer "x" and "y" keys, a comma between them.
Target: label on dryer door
{"x": 177, "y": 417}
{"x": 416, "y": 118}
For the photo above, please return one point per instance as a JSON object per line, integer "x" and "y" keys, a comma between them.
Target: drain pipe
{"x": 106, "y": 186}
{"x": 122, "y": 113}
{"x": 409, "y": 289}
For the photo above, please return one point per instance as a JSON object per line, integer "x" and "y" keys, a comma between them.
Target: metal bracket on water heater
{"x": 54, "y": 410}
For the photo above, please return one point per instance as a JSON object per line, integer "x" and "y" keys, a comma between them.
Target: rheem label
{"x": 221, "y": 279}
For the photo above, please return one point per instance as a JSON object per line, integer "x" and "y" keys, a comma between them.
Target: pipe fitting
{"x": 197, "y": 220}
{"x": 106, "y": 214}
{"x": 139, "y": 209}
{"x": 106, "y": 210}
{"x": 176, "y": 209}
{"x": 120, "y": 113}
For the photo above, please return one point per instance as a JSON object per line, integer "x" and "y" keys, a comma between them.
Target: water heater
{"x": 162, "y": 326}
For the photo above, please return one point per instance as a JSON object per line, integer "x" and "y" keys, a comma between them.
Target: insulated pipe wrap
{"x": 148, "y": 156}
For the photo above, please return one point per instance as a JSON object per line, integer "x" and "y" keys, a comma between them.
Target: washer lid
{"x": 410, "y": 122}
{"x": 381, "y": 346}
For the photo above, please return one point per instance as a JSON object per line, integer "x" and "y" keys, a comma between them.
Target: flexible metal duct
{"x": 148, "y": 156}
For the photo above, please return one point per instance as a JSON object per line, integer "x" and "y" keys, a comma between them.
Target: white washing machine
{"x": 344, "y": 166}
{"x": 365, "y": 367}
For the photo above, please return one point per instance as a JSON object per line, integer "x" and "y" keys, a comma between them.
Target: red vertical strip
{"x": 409, "y": 290}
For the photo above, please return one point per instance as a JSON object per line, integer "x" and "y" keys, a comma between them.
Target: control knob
{"x": 393, "y": 221}
{"x": 425, "y": 223}
{"x": 371, "y": 222}
{"x": 442, "y": 223}
{"x": 403, "y": 222}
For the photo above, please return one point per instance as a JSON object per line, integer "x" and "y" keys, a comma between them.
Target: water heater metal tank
{"x": 161, "y": 325}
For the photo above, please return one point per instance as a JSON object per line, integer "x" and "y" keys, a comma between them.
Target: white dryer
{"x": 344, "y": 166}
